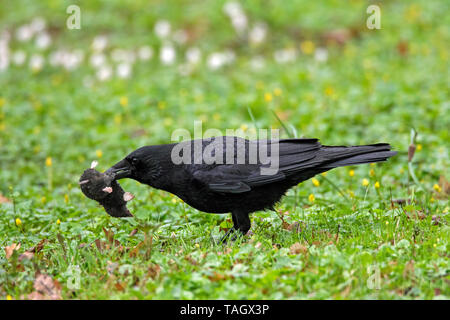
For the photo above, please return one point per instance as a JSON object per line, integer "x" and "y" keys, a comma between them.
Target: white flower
{"x": 4, "y": 52}
{"x": 185, "y": 69}
{"x": 216, "y": 60}
{"x": 104, "y": 73}
{"x": 24, "y": 33}
{"x": 193, "y": 55}
{"x": 239, "y": 22}
{"x": 237, "y": 16}
{"x": 4, "y": 61}
{"x": 162, "y": 29}
{"x": 19, "y": 57}
{"x": 145, "y": 53}
{"x": 257, "y": 63}
{"x": 97, "y": 60}
{"x": 5, "y": 36}
{"x": 99, "y": 43}
{"x": 232, "y": 8}
{"x": 321, "y": 55}
{"x": 36, "y": 62}
{"x": 180, "y": 36}
{"x": 122, "y": 55}
{"x": 285, "y": 55}
{"x": 55, "y": 58}
{"x": 38, "y": 24}
{"x": 258, "y": 33}
{"x": 123, "y": 70}
{"x": 43, "y": 40}
{"x": 167, "y": 54}
{"x": 71, "y": 60}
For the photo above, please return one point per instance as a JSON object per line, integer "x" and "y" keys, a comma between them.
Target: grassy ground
{"x": 338, "y": 237}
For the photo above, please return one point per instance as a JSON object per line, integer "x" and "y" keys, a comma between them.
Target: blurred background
{"x": 137, "y": 70}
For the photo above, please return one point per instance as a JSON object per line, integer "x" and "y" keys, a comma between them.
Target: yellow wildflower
{"x": 311, "y": 198}
{"x": 387, "y": 222}
{"x": 268, "y": 97}
{"x": 351, "y": 173}
{"x": 123, "y": 101}
{"x": 437, "y": 188}
{"x": 58, "y": 221}
{"x": 419, "y": 147}
{"x": 66, "y": 198}
{"x": 372, "y": 172}
{"x": 117, "y": 119}
{"x": 277, "y": 92}
{"x": 174, "y": 200}
{"x": 8, "y": 297}
{"x": 307, "y": 47}
{"x": 377, "y": 185}
{"x": 18, "y": 222}
{"x": 329, "y": 91}
{"x": 365, "y": 182}
{"x": 315, "y": 182}
{"x": 43, "y": 200}
{"x": 48, "y": 161}
{"x": 99, "y": 153}
{"x": 324, "y": 174}
{"x": 169, "y": 121}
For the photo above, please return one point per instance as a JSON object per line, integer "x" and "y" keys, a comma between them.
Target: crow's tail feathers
{"x": 348, "y": 156}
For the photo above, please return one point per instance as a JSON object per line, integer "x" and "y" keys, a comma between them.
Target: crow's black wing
{"x": 239, "y": 178}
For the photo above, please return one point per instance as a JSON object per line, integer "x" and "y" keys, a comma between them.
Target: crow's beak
{"x": 120, "y": 170}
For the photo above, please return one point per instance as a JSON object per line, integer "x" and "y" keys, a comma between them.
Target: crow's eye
{"x": 134, "y": 161}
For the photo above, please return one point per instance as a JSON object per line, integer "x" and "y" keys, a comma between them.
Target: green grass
{"x": 369, "y": 90}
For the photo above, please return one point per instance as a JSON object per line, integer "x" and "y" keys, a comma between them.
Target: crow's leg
{"x": 241, "y": 223}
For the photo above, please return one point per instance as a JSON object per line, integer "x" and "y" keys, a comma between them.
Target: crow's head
{"x": 134, "y": 166}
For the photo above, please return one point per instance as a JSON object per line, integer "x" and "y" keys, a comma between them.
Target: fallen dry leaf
{"x": 436, "y": 220}
{"x": 4, "y": 199}
{"x": 218, "y": 277}
{"x": 191, "y": 260}
{"x": 111, "y": 266}
{"x": 45, "y": 288}
{"x": 153, "y": 271}
{"x": 29, "y": 254}
{"x": 10, "y": 249}
{"x": 297, "y": 248}
{"x": 445, "y": 188}
{"x": 402, "y": 48}
{"x": 120, "y": 286}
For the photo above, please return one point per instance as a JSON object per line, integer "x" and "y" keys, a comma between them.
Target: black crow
{"x": 222, "y": 174}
